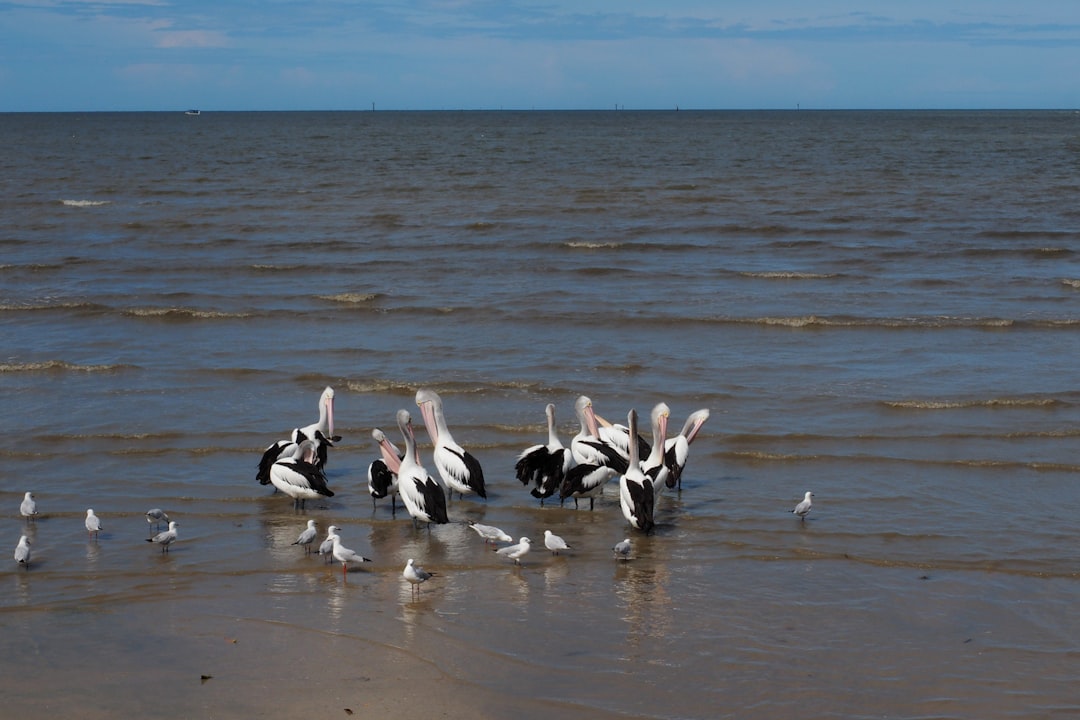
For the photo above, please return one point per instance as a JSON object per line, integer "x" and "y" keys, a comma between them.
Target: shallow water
{"x": 878, "y": 307}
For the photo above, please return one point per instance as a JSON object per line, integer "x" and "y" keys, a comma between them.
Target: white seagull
{"x": 516, "y": 552}
{"x": 416, "y": 575}
{"x": 554, "y": 543}
{"x": 327, "y": 546}
{"x": 622, "y": 550}
{"x": 307, "y": 536}
{"x": 382, "y": 473}
{"x": 165, "y": 539}
{"x": 677, "y": 449}
{"x": 299, "y": 477}
{"x": 803, "y": 508}
{"x": 93, "y": 522}
{"x": 345, "y": 556}
{"x": 490, "y": 533}
{"x": 457, "y": 467}
{"x": 321, "y": 434}
{"x": 28, "y": 507}
{"x": 545, "y": 466}
{"x": 423, "y": 497}
{"x": 156, "y": 516}
{"x": 636, "y": 494}
{"x": 22, "y": 552}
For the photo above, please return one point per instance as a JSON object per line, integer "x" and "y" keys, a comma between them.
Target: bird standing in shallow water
{"x": 554, "y": 543}
{"x": 167, "y": 538}
{"x": 28, "y": 507}
{"x": 345, "y": 556}
{"x": 22, "y": 552}
{"x": 416, "y": 575}
{"x": 490, "y": 533}
{"x": 457, "y": 467}
{"x": 156, "y": 516}
{"x": 516, "y": 552}
{"x": 803, "y": 508}
{"x": 93, "y": 522}
{"x": 622, "y": 550}
{"x": 307, "y": 536}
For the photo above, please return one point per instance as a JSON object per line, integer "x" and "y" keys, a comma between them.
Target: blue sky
{"x": 58, "y": 55}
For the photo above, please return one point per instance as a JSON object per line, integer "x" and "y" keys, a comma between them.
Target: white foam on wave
{"x": 85, "y": 203}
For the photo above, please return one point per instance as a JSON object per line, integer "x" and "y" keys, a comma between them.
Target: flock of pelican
{"x": 600, "y": 452}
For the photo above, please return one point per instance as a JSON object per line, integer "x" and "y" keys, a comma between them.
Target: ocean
{"x": 882, "y": 308}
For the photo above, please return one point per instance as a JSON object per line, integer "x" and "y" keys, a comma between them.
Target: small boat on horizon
{"x": 193, "y": 112}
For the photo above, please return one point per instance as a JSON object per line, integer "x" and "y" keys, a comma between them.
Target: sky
{"x": 91, "y": 55}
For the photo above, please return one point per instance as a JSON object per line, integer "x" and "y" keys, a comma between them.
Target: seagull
{"x": 457, "y": 467}
{"x": 93, "y": 522}
{"x": 156, "y": 516}
{"x": 22, "y": 552}
{"x": 516, "y": 552}
{"x": 490, "y": 533}
{"x": 307, "y": 536}
{"x": 554, "y": 543}
{"x": 28, "y": 508}
{"x": 415, "y": 575}
{"x": 803, "y": 508}
{"x": 344, "y": 555}
{"x": 165, "y": 538}
{"x": 622, "y": 550}
{"x": 327, "y": 546}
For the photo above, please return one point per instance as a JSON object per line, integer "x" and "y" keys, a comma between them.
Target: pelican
{"x": 490, "y": 533}
{"x": 93, "y": 522}
{"x": 516, "y": 552}
{"x": 545, "y": 465}
{"x": 593, "y": 459}
{"x": 307, "y": 536}
{"x": 22, "y": 552}
{"x": 636, "y": 495}
{"x": 677, "y": 449}
{"x": 803, "y": 508}
{"x": 457, "y": 467}
{"x": 321, "y": 433}
{"x": 167, "y": 538}
{"x": 554, "y": 543}
{"x": 653, "y": 466}
{"x": 298, "y": 477}
{"x": 416, "y": 576}
{"x": 382, "y": 473}
{"x": 28, "y": 506}
{"x": 344, "y": 555}
{"x": 423, "y": 497}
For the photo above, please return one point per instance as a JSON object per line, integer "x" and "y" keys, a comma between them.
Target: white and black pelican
{"x": 545, "y": 466}
{"x": 321, "y": 433}
{"x": 592, "y": 457}
{"x": 803, "y": 508}
{"x": 382, "y": 473}
{"x": 93, "y": 522}
{"x": 457, "y": 467}
{"x": 423, "y": 497}
{"x": 653, "y": 465}
{"x": 416, "y": 576}
{"x": 677, "y": 449}
{"x": 298, "y": 477}
{"x": 167, "y": 538}
{"x": 636, "y": 494}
